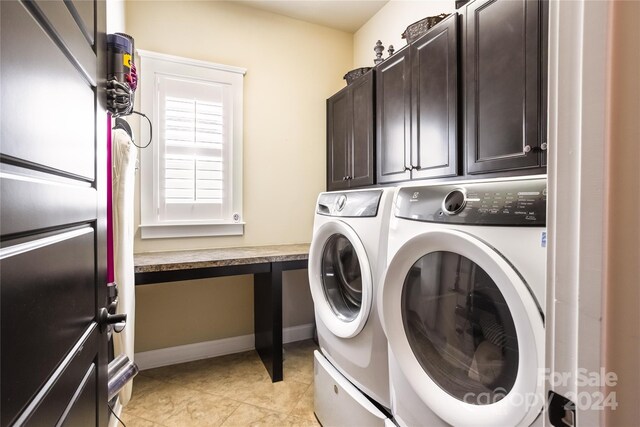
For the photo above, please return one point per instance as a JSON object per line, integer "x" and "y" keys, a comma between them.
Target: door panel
{"x": 393, "y": 117}
{"x": 48, "y": 289}
{"x": 502, "y": 83}
{"x": 60, "y": 19}
{"x": 501, "y": 80}
{"x": 67, "y": 387}
{"x": 434, "y": 97}
{"x": 82, "y": 12}
{"x": 53, "y": 229}
{"x": 339, "y": 139}
{"x": 52, "y": 201}
{"x": 82, "y": 408}
{"x": 363, "y": 131}
{"x": 39, "y": 83}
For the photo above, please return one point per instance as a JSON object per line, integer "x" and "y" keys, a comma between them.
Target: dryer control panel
{"x": 520, "y": 202}
{"x": 350, "y": 204}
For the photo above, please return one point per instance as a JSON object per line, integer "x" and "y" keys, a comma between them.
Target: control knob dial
{"x": 454, "y": 202}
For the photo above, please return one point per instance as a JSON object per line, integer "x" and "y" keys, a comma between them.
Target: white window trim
{"x": 151, "y": 227}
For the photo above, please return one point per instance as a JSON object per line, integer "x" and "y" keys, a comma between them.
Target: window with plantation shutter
{"x": 191, "y": 178}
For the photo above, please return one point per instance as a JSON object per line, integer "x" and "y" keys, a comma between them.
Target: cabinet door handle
{"x": 344, "y": 178}
{"x": 527, "y": 148}
{"x": 543, "y": 146}
{"x": 408, "y": 169}
{"x": 349, "y": 177}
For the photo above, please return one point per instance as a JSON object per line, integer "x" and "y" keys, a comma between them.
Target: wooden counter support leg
{"x": 267, "y": 315}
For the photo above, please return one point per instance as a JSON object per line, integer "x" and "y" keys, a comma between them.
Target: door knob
{"x": 105, "y": 319}
{"x": 527, "y": 148}
{"x": 543, "y": 146}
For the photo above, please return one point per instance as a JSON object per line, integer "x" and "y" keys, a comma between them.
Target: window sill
{"x": 161, "y": 231}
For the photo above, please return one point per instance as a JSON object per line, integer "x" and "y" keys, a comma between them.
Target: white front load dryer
{"x": 462, "y": 301}
{"x": 346, "y": 259}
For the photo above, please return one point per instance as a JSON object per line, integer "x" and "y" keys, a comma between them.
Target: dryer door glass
{"x": 341, "y": 277}
{"x": 460, "y": 328}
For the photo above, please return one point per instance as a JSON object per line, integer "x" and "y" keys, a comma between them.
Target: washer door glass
{"x": 459, "y": 327}
{"x": 342, "y": 278}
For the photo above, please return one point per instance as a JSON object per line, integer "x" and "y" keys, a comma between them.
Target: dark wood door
{"x": 393, "y": 118}
{"x": 362, "y": 170}
{"x": 434, "y": 57}
{"x": 339, "y": 136}
{"x": 52, "y": 233}
{"x": 502, "y": 80}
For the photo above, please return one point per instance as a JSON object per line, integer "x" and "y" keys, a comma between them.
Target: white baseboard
{"x": 297, "y": 333}
{"x": 203, "y": 350}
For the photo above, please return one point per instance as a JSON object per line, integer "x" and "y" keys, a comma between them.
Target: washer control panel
{"x": 350, "y": 204}
{"x": 517, "y": 202}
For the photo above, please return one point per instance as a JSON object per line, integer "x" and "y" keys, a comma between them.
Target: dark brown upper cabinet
{"x": 434, "y": 98}
{"x": 350, "y": 135}
{"x": 393, "y": 118}
{"x": 503, "y": 81}
{"x": 417, "y": 108}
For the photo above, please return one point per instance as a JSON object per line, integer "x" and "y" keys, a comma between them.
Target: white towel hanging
{"x": 124, "y": 165}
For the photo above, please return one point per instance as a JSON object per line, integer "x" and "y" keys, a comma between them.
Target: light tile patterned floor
{"x": 232, "y": 390}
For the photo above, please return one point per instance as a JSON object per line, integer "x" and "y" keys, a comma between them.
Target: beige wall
{"x": 293, "y": 67}
{"x": 172, "y": 314}
{"x": 389, "y": 23}
{"x": 622, "y": 311}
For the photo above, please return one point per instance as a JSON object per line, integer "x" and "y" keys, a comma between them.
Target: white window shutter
{"x": 191, "y": 176}
{"x": 193, "y": 124}
{"x": 194, "y": 161}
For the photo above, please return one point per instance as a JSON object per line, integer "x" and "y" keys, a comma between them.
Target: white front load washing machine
{"x": 346, "y": 259}
{"x": 462, "y": 300}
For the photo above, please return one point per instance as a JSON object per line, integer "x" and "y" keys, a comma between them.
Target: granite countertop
{"x": 202, "y": 258}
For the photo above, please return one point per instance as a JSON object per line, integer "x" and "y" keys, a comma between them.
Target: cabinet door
{"x": 502, "y": 80}
{"x": 363, "y": 132}
{"x": 393, "y": 118}
{"x": 339, "y": 136}
{"x": 434, "y": 100}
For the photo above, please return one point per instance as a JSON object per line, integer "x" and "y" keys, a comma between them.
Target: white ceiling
{"x": 345, "y": 15}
